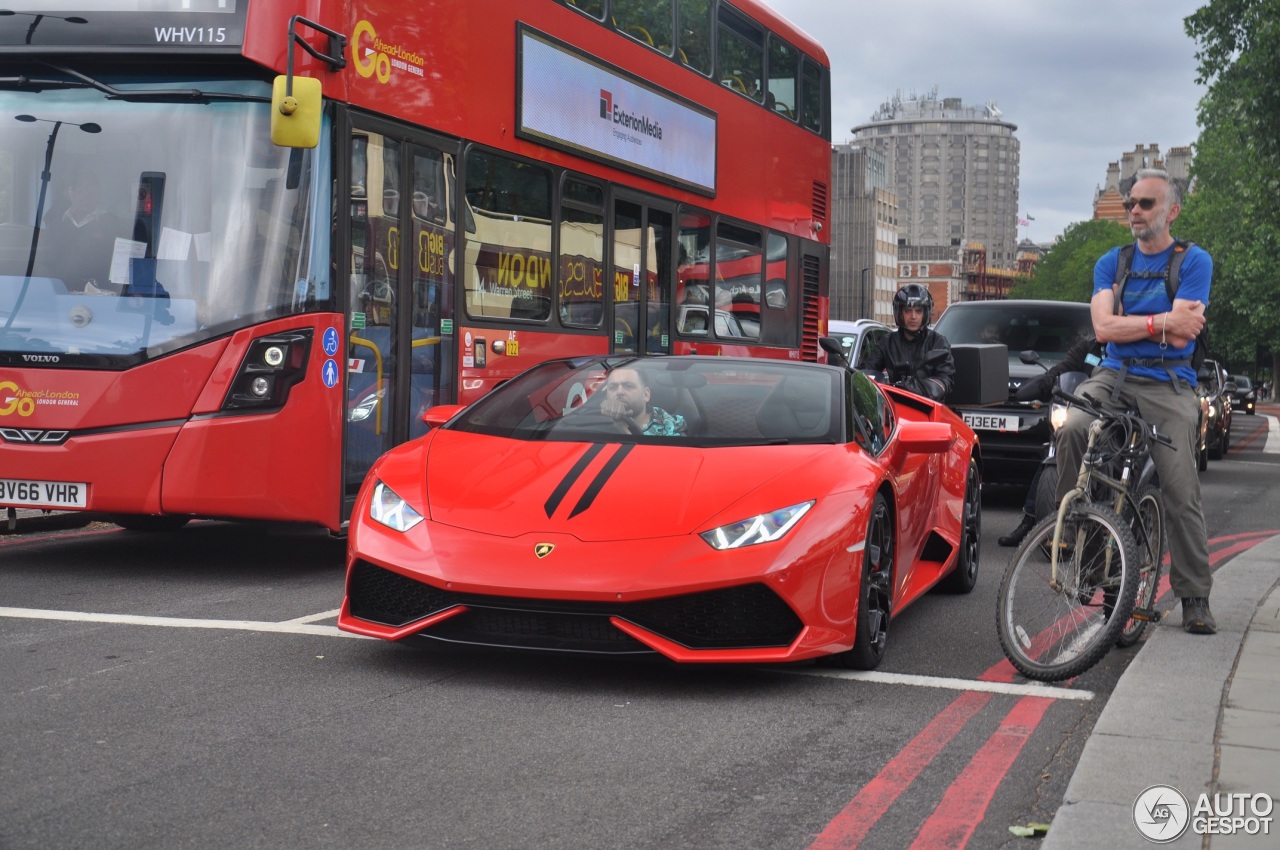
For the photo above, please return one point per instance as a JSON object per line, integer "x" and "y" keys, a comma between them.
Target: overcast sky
{"x": 1083, "y": 80}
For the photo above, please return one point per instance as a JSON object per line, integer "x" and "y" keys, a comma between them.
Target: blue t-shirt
{"x": 1146, "y": 296}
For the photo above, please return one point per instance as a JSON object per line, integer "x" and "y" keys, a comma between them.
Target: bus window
{"x": 740, "y": 54}
{"x": 581, "y": 254}
{"x": 784, "y": 70}
{"x": 626, "y": 278}
{"x": 738, "y": 279}
{"x": 431, "y": 373}
{"x": 813, "y": 94}
{"x": 694, "y": 25}
{"x": 658, "y": 297}
{"x": 592, "y": 8}
{"x": 508, "y": 262}
{"x": 647, "y": 21}
{"x": 693, "y": 272}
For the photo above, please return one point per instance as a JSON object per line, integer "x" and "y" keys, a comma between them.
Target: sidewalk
{"x": 1198, "y": 713}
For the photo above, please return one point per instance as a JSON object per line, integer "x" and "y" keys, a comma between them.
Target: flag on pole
{"x": 1022, "y": 222}
{"x": 1030, "y": 217}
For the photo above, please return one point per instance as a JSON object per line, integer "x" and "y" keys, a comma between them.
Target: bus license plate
{"x": 17, "y": 492}
{"x": 990, "y": 422}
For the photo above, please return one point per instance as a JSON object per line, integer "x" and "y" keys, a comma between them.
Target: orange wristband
{"x": 1151, "y": 325}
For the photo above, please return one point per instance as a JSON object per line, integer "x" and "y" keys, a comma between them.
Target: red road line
{"x": 965, "y": 803}
{"x": 862, "y": 813}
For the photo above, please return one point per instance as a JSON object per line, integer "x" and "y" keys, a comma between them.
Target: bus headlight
{"x": 270, "y": 368}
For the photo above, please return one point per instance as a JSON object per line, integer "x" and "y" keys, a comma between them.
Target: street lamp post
{"x": 45, "y": 175}
{"x": 88, "y": 127}
{"x": 40, "y": 16}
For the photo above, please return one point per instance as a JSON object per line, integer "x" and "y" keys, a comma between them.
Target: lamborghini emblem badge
{"x": 542, "y": 550}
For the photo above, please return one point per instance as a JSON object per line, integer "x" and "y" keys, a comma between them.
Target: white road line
{"x": 292, "y": 628}
{"x": 1047, "y": 691}
{"x": 1272, "y": 445}
{"x": 311, "y": 618}
{"x": 301, "y": 627}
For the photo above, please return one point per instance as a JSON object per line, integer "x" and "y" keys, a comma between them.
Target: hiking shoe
{"x": 1196, "y": 618}
{"x": 1013, "y": 538}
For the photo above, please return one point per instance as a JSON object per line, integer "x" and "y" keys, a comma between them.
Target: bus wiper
{"x": 25, "y": 83}
{"x": 156, "y": 95}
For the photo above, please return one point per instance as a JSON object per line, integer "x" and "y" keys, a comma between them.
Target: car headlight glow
{"x": 762, "y": 528}
{"x": 1057, "y": 415}
{"x": 391, "y": 510}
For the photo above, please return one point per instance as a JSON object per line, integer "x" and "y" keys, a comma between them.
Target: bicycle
{"x": 1085, "y": 577}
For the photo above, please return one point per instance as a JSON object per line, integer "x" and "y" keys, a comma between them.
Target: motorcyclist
{"x": 902, "y": 355}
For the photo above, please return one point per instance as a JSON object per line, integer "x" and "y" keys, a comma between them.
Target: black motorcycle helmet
{"x": 912, "y": 295}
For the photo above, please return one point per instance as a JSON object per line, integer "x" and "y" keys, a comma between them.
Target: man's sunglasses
{"x": 1145, "y": 203}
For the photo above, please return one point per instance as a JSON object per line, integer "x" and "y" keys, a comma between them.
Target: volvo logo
{"x": 41, "y": 358}
{"x": 542, "y": 550}
{"x": 31, "y": 435}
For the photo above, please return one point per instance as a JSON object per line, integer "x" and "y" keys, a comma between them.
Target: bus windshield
{"x": 131, "y": 229}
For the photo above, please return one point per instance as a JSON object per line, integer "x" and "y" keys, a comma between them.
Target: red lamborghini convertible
{"x": 698, "y": 508}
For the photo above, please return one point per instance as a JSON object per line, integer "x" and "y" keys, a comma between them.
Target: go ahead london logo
{"x": 1162, "y": 814}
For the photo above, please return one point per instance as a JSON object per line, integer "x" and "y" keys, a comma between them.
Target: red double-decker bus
{"x": 244, "y": 244}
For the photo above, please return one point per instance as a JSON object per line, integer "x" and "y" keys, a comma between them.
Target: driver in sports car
{"x": 627, "y": 397}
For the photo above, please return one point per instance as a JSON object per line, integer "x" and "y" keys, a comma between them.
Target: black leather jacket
{"x": 1076, "y": 360}
{"x": 932, "y": 382}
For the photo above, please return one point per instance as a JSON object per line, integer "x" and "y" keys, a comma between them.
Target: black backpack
{"x": 1170, "y": 274}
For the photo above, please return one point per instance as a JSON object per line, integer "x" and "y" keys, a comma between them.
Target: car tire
{"x": 1047, "y": 492}
{"x": 875, "y": 591}
{"x": 965, "y": 575}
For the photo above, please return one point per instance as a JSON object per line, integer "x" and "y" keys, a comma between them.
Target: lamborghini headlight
{"x": 757, "y": 529}
{"x": 391, "y": 510}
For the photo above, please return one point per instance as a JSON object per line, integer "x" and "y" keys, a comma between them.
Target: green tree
{"x": 1065, "y": 272}
{"x": 1234, "y": 208}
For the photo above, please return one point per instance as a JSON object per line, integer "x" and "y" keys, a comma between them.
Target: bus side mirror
{"x": 295, "y": 118}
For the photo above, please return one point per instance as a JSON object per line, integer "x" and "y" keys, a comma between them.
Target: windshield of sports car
{"x": 130, "y": 228}
{"x": 711, "y": 401}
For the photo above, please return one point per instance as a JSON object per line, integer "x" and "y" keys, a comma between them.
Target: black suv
{"x": 1013, "y": 434}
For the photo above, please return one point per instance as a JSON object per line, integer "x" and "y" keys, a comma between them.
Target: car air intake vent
{"x": 381, "y": 596}
{"x": 749, "y": 616}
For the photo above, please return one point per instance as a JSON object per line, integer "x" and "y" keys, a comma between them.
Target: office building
{"x": 954, "y": 169}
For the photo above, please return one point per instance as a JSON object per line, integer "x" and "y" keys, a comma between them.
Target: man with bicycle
{"x": 1150, "y": 340}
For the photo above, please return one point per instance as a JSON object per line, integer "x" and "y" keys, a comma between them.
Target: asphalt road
{"x": 189, "y": 690}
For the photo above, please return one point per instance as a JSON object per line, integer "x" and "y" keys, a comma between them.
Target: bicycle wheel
{"x": 1148, "y": 531}
{"x": 1052, "y": 630}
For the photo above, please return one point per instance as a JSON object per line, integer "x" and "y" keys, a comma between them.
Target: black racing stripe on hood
{"x": 562, "y": 488}
{"x": 597, "y": 484}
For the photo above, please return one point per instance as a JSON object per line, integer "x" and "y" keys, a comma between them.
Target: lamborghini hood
{"x": 601, "y": 491}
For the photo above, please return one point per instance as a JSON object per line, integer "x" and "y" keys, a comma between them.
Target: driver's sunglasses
{"x": 1145, "y": 203}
